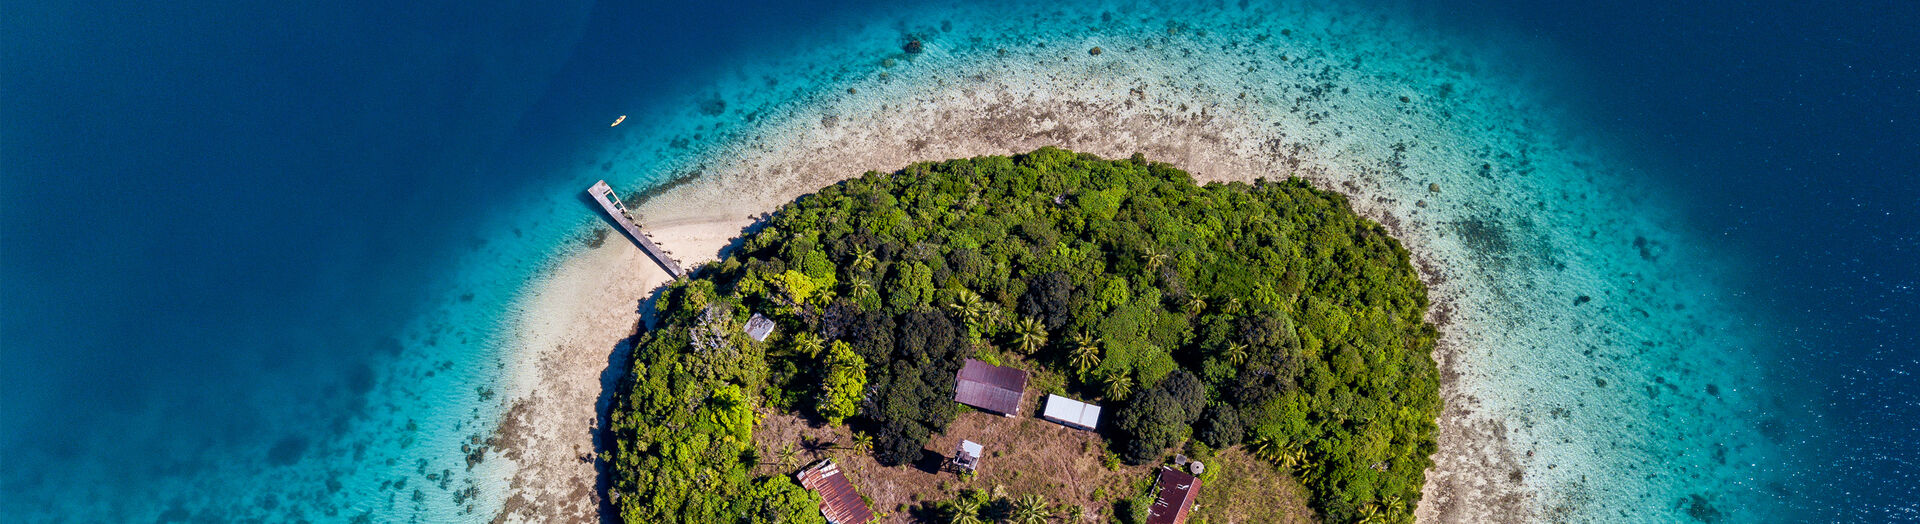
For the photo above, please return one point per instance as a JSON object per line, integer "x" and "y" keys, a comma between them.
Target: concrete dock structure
{"x": 610, "y": 202}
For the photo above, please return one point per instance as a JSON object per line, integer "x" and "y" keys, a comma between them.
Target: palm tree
{"x": 859, "y": 287}
{"x": 1293, "y": 460}
{"x": 787, "y": 455}
{"x": 966, "y": 510}
{"x": 1153, "y": 258}
{"x": 1083, "y": 339}
{"x": 1395, "y": 506}
{"x": 1370, "y": 514}
{"x": 1086, "y": 356}
{"x": 1236, "y": 353}
{"x": 1030, "y": 335}
{"x": 1310, "y": 475}
{"x": 1119, "y": 385}
{"x": 1266, "y": 448}
{"x": 808, "y": 344}
{"x": 1196, "y": 304}
{"x": 993, "y": 318}
{"x": 969, "y": 307}
{"x": 1031, "y": 509}
{"x": 863, "y": 259}
{"x": 1293, "y": 457}
{"x": 862, "y": 442}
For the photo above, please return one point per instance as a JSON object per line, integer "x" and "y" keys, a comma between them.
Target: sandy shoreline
{"x": 572, "y": 344}
{"x": 588, "y": 305}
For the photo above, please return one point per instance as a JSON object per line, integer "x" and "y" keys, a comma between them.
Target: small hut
{"x": 759, "y": 327}
{"x": 966, "y": 457}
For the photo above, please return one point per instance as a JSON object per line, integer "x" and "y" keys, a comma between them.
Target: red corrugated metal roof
{"x": 1177, "y": 493}
{"x": 838, "y": 501}
{"x": 990, "y": 387}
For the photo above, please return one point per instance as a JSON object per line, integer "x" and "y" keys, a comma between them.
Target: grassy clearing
{"x": 1029, "y": 455}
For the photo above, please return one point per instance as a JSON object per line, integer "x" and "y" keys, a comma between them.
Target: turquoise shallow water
{"x": 1608, "y": 343}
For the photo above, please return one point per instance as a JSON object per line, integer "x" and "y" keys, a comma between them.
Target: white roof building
{"x": 759, "y": 327}
{"x": 1072, "y": 413}
{"x": 971, "y": 448}
{"x": 966, "y": 457}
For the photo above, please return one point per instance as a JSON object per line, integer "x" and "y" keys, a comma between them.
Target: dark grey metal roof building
{"x": 992, "y": 388}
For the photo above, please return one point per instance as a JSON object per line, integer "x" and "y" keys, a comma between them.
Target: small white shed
{"x": 759, "y": 327}
{"x": 966, "y": 457}
{"x": 1072, "y": 413}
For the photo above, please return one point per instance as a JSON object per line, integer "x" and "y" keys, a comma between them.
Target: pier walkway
{"x": 603, "y": 194}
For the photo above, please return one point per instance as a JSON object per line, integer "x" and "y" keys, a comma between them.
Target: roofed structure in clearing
{"x": 1071, "y": 413}
{"x": 1176, "y": 493}
{"x": 966, "y": 457}
{"x": 759, "y": 327}
{"x": 992, "y": 388}
{"x": 839, "y": 503}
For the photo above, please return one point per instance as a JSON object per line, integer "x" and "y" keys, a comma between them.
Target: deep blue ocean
{"x": 218, "y": 218}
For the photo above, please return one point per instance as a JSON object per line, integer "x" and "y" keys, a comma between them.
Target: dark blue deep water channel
{"x": 216, "y": 217}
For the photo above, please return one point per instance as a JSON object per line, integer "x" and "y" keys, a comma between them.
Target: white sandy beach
{"x": 576, "y": 318}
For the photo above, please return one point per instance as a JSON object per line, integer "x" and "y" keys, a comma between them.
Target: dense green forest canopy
{"x": 1264, "y": 314}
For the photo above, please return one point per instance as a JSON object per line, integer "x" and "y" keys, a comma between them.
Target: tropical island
{"x": 1262, "y": 329}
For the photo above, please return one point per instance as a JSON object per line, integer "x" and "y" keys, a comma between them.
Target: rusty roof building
{"x": 1176, "y": 493}
{"x": 992, "y": 388}
{"x": 839, "y": 503}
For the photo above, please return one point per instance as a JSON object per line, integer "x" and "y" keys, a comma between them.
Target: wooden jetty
{"x": 603, "y": 194}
